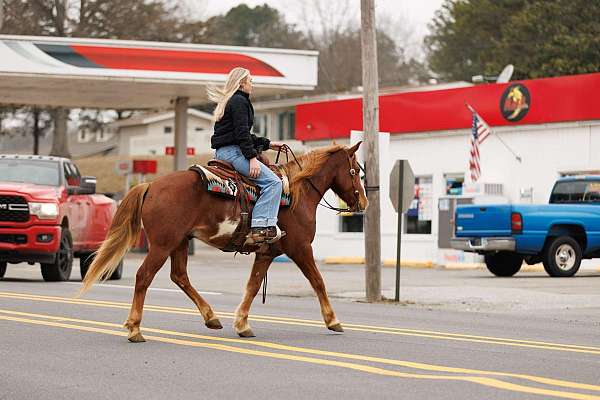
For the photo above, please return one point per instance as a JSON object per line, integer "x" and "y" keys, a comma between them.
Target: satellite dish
{"x": 506, "y": 74}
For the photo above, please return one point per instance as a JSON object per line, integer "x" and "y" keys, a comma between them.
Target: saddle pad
{"x": 227, "y": 187}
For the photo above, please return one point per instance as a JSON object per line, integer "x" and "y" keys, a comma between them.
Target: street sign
{"x": 144, "y": 166}
{"x": 407, "y": 180}
{"x": 123, "y": 167}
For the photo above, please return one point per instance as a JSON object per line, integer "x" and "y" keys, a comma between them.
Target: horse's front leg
{"x": 259, "y": 269}
{"x": 303, "y": 257}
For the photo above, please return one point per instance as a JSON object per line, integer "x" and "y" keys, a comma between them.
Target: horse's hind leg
{"x": 303, "y": 257}
{"x": 259, "y": 269}
{"x": 179, "y": 275}
{"x": 152, "y": 263}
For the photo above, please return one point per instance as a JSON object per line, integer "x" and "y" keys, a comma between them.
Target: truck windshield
{"x": 583, "y": 191}
{"x": 38, "y": 172}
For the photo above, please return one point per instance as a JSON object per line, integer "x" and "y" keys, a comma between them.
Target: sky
{"x": 407, "y": 18}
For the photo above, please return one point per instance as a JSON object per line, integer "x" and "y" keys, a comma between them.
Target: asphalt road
{"x": 457, "y": 335}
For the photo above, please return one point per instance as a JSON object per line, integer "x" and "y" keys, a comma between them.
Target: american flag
{"x": 479, "y": 132}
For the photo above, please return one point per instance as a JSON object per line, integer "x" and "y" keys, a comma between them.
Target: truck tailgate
{"x": 483, "y": 220}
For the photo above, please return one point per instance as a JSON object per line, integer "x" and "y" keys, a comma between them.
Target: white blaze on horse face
{"x": 226, "y": 228}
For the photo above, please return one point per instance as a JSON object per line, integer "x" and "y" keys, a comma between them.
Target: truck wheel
{"x": 84, "y": 263}
{"x": 503, "y": 263}
{"x": 2, "y": 269}
{"x": 562, "y": 257}
{"x": 118, "y": 272}
{"x": 86, "y": 260}
{"x": 60, "y": 269}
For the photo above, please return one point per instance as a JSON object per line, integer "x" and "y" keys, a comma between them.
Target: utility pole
{"x": 371, "y": 152}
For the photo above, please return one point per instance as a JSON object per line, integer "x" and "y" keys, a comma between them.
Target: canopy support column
{"x": 181, "y": 119}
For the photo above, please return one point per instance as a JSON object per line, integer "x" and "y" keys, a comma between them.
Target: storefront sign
{"x": 515, "y": 102}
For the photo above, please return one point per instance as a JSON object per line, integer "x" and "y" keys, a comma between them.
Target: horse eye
{"x": 352, "y": 172}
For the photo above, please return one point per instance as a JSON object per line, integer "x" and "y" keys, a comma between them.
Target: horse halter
{"x": 352, "y": 171}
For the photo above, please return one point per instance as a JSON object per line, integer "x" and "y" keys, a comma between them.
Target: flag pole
{"x": 517, "y": 157}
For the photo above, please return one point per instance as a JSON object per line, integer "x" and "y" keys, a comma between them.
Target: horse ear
{"x": 353, "y": 149}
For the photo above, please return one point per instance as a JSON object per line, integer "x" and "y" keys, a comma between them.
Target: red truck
{"x": 50, "y": 214}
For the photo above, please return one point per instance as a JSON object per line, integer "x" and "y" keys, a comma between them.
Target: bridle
{"x": 352, "y": 171}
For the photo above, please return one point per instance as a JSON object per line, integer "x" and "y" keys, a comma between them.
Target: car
{"x": 50, "y": 214}
{"x": 559, "y": 234}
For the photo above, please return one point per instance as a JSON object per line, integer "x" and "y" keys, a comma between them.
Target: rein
{"x": 285, "y": 148}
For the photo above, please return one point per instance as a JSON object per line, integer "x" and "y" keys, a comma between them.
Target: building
{"x": 152, "y": 134}
{"x": 553, "y": 125}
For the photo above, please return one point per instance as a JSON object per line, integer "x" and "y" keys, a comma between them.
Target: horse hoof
{"x": 213, "y": 324}
{"x": 247, "y": 333}
{"x": 336, "y": 327}
{"x": 137, "y": 338}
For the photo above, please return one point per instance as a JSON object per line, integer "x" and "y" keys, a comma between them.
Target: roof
{"x": 150, "y": 118}
{"x": 123, "y": 74}
{"x": 572, "y": 178}
{"x": 32, "y": 157}
{"x": 527, "y": 102}
{"x": 355, "y": 93}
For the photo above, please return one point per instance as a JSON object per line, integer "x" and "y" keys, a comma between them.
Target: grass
{"x": 103, "y": 168}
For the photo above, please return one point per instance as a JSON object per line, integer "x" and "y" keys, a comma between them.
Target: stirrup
{"x": 279, "y": 235}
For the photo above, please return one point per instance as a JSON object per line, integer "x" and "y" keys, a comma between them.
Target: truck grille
{"x": 13, "y": 209}
{"x": 14, "y": 239}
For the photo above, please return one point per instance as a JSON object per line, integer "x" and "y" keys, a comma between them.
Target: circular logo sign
{"x": 515, "y": 102}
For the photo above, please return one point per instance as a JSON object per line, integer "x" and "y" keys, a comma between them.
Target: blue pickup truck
{"x": 559, "y": 234}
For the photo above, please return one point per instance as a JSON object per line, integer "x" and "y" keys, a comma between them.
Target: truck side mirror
{"x": 87, "y": 185}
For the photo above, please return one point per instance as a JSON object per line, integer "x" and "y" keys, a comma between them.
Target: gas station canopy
{"x": 120, "y": 74}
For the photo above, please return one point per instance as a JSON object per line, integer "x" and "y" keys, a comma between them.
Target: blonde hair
{"x": 222, "y": 95}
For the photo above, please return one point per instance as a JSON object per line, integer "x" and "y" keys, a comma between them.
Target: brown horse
{"x": 176, "y": 207}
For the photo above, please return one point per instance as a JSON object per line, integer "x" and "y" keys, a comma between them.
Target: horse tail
{"x": 123, "y": 234}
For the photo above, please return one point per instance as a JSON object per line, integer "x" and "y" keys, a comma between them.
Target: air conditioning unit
{"x": 483, "y": 189}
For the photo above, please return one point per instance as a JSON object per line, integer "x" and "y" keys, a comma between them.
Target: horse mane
{"x": 311, "y": 163}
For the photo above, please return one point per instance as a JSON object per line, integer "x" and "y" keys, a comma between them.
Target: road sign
{"x": 402, "y": 192}
{"x": 144, "y": 166}
{"x": 407, "y": 180}
{"x": 123, "y": 167}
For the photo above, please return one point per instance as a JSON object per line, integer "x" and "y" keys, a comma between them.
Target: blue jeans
{"x": 267, "y": 206}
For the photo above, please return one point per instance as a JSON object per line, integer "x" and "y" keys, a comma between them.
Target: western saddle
{"x": 225, "y": 170}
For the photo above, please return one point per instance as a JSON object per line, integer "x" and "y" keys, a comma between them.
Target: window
{"x": 418, "y": 216}
{"x": 168, "y": 129}
{"x": 260, "y": 125}
{"x": 576, "y": 191}
{"x": 287, "y": 125}
{"x": 349, "y": 222}
{"x": 454, "y": 184}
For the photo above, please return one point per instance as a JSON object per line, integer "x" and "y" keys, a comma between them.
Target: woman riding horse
{"x": 234, "y": 142}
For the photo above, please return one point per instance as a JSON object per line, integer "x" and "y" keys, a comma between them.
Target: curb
{"x": 386, "y": 263}
{"x": 461, "y": 266}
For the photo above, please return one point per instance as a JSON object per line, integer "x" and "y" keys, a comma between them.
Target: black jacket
{"x": 236, "y": 125}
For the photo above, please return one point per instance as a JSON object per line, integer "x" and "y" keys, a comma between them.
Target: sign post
{"x": 402, "y": 182}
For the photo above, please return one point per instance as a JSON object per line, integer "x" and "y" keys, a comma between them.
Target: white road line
{"x": 151, "y": 288}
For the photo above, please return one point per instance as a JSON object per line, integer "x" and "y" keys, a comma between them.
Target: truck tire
{"x": 562, "y": 257}
{"x": 503, "y": 263}
{"x": 86, "y": 260}
{"x": 2, "y": 269}
{"x": 60, "y": 269}
{"x": 118, "y": 272}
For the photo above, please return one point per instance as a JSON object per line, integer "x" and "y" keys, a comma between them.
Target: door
{"x": 446, "y": 209}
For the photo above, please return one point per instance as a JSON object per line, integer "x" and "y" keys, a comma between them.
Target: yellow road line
{"x": 312, "y": 323}
{"x": 490, "y": 382}
{"x": 408, "y": 364}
